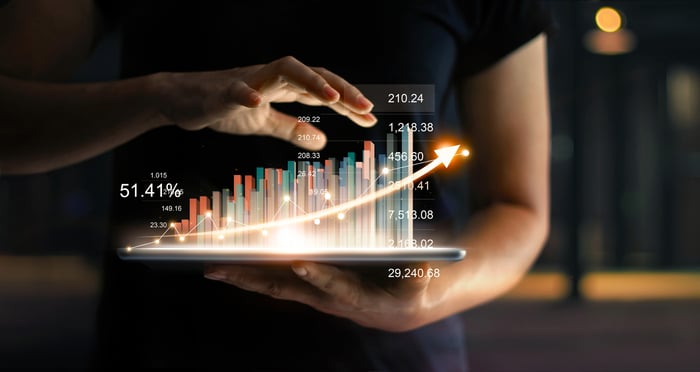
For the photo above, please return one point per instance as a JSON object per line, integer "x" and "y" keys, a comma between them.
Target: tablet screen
{"x": 359, "y": 195}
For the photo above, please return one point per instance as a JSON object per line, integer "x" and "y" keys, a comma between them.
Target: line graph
{"x": 360, "y": 201}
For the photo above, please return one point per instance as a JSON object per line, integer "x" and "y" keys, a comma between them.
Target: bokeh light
{"x": 608, "y": 19}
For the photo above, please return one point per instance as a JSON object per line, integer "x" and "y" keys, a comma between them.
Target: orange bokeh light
{"x": 608, "y": 19}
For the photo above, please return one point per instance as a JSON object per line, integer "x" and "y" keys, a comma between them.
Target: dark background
{"x": 617, "y": 286}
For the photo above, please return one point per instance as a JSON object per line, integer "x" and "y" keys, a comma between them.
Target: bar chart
{"x": 363, "y": 199}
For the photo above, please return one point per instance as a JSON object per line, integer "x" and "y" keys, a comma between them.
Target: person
{"x": 205, "y": 87}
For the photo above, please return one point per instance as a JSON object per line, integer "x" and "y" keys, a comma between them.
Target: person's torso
{"x": 411, "y": 42}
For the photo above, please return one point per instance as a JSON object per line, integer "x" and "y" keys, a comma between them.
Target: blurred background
{"x": 617, "y": 287}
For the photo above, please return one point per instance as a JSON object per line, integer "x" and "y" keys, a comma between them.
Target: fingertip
{"x": 372, "y": 119}
{"x": 309, "y": 137}
{"x": 364, "y": 104}
{"x": 367, "y": 120}
{"x": 320, "y": 143}
{"x": 331, "y": 95}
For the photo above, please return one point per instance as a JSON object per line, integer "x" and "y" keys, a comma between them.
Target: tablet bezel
{"x": 275, "y": 254}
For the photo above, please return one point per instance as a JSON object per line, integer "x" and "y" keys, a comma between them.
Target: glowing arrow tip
{"x": 446, "y": 154}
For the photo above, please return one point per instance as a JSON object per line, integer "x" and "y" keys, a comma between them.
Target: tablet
{"x": 233, "y": 254}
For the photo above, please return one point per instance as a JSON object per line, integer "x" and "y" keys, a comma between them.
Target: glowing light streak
{"x": 444, "y": 157}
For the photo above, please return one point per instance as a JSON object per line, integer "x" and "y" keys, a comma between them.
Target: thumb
{"x": 415, "y": 279}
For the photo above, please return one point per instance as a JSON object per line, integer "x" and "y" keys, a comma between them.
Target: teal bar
{"x": 271, "y": 197}
{"x": 260, "y": 208}
{"x": 239, "y": 193}
{"x": 260, "y": 201}
{"x": 302, "y": 186}
{"x": 225, "y": 195}
{"x": 351, "y": 176}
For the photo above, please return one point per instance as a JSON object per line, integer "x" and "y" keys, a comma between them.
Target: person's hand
{"x": 237, "y": 101}
{"x": 388, "y": 304}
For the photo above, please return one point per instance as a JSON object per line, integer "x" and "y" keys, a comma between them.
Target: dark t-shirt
{"x": 155, "y": 317}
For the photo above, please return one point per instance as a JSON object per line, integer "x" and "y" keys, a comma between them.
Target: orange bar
{"x": 185, "y": 226}
{"x": 368, "y": 159}
{"x": 178, "y": 227}
{"x": 268, "y": 185}
{"x": 193, "y": 211}
{"x": 311, "y": 178}
{"x": 204, "y": 205}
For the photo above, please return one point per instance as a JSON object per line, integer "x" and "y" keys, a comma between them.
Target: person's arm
{"x": 44, "y": 126}
{"x": 506, "y": 107}
{"x": 47, "y": 125}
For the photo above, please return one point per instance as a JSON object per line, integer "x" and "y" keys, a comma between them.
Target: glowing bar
{"x": 200, "y": 230}
{"x": 358, "y": 214}
{"x": 370, "y": 178}
{"x": 381, "y": 210}
{"x": 408, "y": 195}
{"x": 291, "y": 187}
{"x": 286, "y": 193}
{"x": 193, "y": 212}
{"x": 204, "y": 206}
{"x": 269, "y": 192}
{"x": 307, "y": 187}
{"x": 216, "y": 208}
{"x": 392, "y": 201}
{"x": 232, "y": 220}
{"x": 185, "y": 227}
{"x": 225, "y": 196}
{"x": 248, "y": 191}
{"x": 346, "y": 223}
